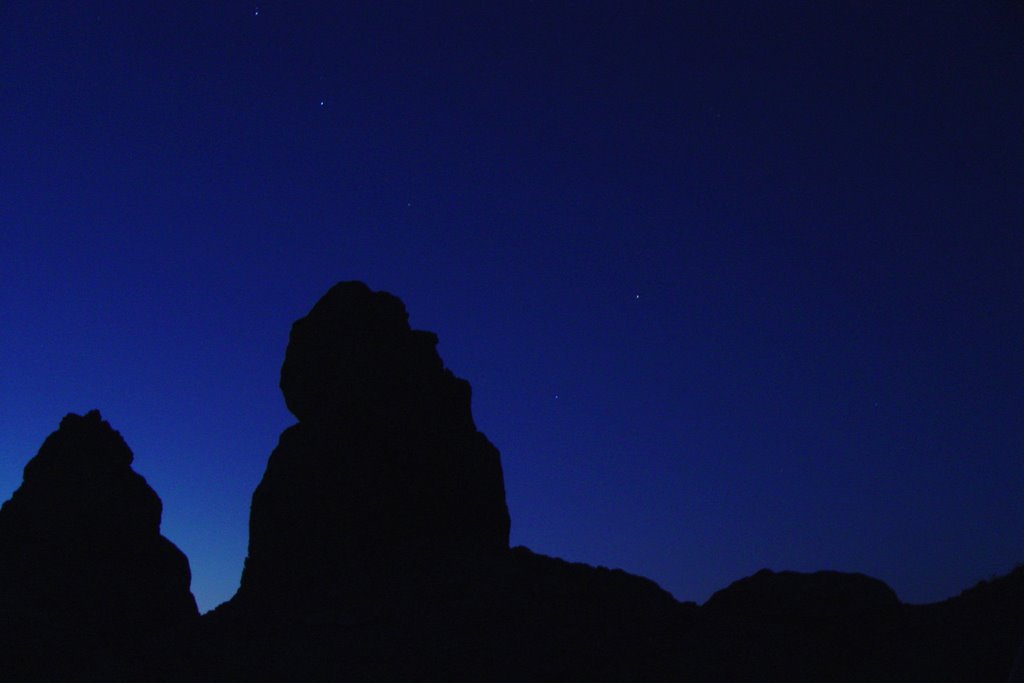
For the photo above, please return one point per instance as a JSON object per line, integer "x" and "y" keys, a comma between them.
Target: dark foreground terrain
{"x": 378, "y": 550}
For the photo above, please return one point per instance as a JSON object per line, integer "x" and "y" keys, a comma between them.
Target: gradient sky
{"x": 738, "y": 285}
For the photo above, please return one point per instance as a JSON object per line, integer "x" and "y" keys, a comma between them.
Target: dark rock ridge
{"x": 849, "y": 627}
{"x": 825, "y": 625}
{"x": 379, "y": 551}
{"x": 87, "y": 583}
{"x": 793, "y": 596}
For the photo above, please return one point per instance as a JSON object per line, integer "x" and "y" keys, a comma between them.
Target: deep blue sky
{"x": 736, "y": 285}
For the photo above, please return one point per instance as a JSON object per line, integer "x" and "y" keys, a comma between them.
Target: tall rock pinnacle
{"x": 385, "y": 467}
{"x": 85, "y": 576}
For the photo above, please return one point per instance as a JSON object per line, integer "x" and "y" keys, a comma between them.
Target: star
{"x": 257, "y": 12}
{"x": 321, "y": 103}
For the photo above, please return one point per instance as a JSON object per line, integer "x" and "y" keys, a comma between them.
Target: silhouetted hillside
{"x": 379, "y": 551}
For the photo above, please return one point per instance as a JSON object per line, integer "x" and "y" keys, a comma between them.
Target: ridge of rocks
{"x": 379, "y": 551}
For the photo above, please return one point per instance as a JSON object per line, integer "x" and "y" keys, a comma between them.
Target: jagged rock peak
{"x": 81, "y": 482}
{"x": 97, "y": 445}
{"x": 354, "y": 356}
{"x": 88, "y": 586}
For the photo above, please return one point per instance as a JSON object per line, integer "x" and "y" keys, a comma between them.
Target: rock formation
{"x": 385, "y": 476}
{"x": 824, "y": 625}
{"x": 796, "y": 597}
{"x": 379, "y": 551}
{"x": 87, "y": 583}
{"x": 379, "y": 532}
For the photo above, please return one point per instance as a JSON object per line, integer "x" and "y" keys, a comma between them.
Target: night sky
{"x": 737, "y": 285}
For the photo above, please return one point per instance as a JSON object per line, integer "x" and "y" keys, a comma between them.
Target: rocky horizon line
{"x": 379, "y": 548}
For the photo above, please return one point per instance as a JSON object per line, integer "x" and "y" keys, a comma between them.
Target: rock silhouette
{"x": 792, "y": 596}
{"x": 788, "y": 625}
{"x": 380, "y": 530}
{"x": 385, "y": 477}
{"x": 87, "y": 584}
{"x": 379, "y": 551}
{"x": 849, "y": 627}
